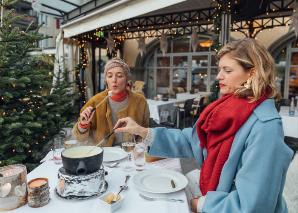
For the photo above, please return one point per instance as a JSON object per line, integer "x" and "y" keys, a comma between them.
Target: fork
{"x": 160, "y": 198}
{"x": 112, "y": 165}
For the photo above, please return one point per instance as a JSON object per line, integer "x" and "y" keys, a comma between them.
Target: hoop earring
{"x": 247, "y": 84}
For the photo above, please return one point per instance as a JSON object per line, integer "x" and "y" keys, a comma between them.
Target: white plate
{"x": 113, "y": 154}
{"x": 159, "y": 181}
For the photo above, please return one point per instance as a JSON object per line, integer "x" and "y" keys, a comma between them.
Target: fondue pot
{"x": 81, "y": 160}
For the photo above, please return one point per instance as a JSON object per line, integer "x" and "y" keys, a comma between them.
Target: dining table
{"x": 132, "y": 202}
{"x": 289, "y": 123}
{"x": 160, "y": 110}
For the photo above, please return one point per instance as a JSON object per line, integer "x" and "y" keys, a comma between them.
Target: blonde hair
{"x": 255, "y": 58}
{"x": 117, "y": 62}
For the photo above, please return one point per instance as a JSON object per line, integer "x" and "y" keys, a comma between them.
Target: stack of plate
{"x": 112, "y": 154}
{"x": 38, "y": 192}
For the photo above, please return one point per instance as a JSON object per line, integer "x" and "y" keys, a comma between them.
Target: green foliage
{"x": 214, "y": 92}
{"x": 31, "y": 111}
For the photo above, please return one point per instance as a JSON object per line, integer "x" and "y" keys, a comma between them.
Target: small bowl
{"x": 70, "y": 143}
{"x": 113, "y": 206}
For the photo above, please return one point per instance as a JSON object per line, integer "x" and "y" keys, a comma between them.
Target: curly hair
{"x": 252, "y": 55}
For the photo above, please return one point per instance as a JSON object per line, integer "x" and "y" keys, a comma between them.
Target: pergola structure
{"x": 247, "y": 16}
{"x": 90, "y": 21}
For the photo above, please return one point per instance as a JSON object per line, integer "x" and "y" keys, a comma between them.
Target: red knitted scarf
{"x": 119, "y": 96}
{"x": 216, "y": 129}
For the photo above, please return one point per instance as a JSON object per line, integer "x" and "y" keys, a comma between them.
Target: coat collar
{"x": 266, "y": 111}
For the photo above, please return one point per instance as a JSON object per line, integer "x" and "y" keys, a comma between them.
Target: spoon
{"x": 122, "y": 187}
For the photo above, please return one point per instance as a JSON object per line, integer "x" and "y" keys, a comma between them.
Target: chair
{"x": 185, "y": 111}
{"x": 138, "y": 86}
{"x": 199, "y": 109}
{"x": 290, "y": 192}
{"x": 172, "y": 119}
{"x": 170, "y": 122}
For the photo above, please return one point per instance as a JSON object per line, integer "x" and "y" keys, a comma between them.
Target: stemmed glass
{"x": 128, "y": 147}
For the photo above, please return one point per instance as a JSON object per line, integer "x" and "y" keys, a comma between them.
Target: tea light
{"x": 38, "y": 192}
{"x": 38, "y": 182}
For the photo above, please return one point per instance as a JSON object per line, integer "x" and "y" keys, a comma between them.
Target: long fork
{"x": 160, "y": 198}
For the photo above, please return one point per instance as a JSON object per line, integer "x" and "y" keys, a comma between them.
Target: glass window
{"x": 179, "y": 79}
{"x": 199, "y": 79}
{"x": 163, "y": 62}
{"x": 180, "y": 61}
{"x": 214, "y": 72}
{"x": 162, "y": 78}
{"x": 199, "y": 62}
{"x": 181, "y": 45}
{"x": 293, "y": 81}
{"x": 214, "y": 61}
{"x": 280, "y": 66}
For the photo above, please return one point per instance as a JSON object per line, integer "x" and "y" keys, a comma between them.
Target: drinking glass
{"x": 139, "y": 156}
{"x": 58, "y": 146}
{"x": 128, "y": 147}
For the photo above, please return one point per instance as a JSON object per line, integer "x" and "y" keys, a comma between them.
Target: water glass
{"x": 57, "y": 149}
{"x": 139, "y": 156}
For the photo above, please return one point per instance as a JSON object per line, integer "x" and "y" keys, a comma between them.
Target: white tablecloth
{"x": 186, "y": 95}
{"x": 157, "y": 107}
{"x": 289, "y": 123}
{"x": 133, "y": 203}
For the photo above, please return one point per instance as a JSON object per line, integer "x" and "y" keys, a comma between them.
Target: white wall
{"x": 131, "y": 50}
{"x": 266, "y": 37}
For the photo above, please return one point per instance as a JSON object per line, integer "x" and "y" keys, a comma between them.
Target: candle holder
{"x": 38, "y": 192}
{"x": 13, "y": 187}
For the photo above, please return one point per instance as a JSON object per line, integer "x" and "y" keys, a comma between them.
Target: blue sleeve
{"x": 176, "y": 143}
{"x": 259, "y": 181}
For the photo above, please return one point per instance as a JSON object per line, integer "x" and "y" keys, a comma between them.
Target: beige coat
{"x": 101, "y": 124}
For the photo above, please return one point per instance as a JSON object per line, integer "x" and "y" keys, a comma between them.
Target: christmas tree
{"x": 31, "y": 111}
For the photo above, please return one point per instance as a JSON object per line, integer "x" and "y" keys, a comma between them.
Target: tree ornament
{"x": 110, "y": 44}
{"x": 194, "y": 39}
{"x": 142, "y": 46}
{"x": 163, "y": 44}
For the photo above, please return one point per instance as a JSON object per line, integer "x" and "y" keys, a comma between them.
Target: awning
{"x": 57, "y": 8}
{"x": 111, "y": 13}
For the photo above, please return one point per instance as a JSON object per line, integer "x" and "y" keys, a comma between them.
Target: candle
{"x": 37, "y": 183}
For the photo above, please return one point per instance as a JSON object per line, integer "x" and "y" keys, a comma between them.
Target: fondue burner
{"x": 72, "y": 186}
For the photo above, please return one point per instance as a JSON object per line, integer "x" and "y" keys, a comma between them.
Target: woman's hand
{"x": 86, "y": 116}
{"x": 129, "y": 125}
{"x": 193, "y": 204}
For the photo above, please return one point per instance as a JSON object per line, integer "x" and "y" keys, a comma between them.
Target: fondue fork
{"x": 97, "y": 105}
{"x": 104, "y": 139}
{"x": 101, "y": 142}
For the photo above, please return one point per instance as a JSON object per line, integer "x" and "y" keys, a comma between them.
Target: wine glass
{"x": 128, "y": 147}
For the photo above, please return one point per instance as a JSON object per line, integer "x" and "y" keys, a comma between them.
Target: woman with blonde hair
{"x": 238, "y": 140}
{"x": 101, "y": 112}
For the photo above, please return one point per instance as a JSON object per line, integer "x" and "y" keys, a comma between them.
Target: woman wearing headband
{"x": 93, "y": 125}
